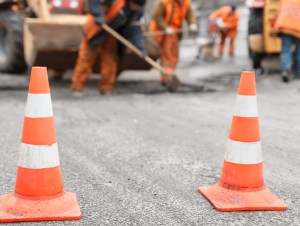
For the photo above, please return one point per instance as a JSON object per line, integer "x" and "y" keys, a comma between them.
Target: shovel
{"x": 173, "y": 82}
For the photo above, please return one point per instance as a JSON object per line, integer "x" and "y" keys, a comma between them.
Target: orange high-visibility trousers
{"x": 107, "y": 53}
{"x": 224, "y": 36}
{"x": 169, "y": 55}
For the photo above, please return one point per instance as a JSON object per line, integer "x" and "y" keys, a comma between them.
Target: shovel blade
{"x": 173, "y": 84}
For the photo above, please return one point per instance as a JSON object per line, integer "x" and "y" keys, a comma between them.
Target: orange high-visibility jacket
{"x": 288, "y": 17}
{"x": 174, "y": 15}
{"x": 90, "y": 27}
{"x": 230, "y": 21}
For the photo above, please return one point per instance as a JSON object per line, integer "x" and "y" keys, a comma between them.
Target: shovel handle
{"x": 157, "y": 33}
{"x": 120, "y": 38}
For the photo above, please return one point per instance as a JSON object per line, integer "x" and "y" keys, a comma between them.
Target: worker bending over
{"x": 98, "y": 44}
{"x": 168, "y": 19}
{"x": 287, "y": 24}
{"x": 226, "y": 19}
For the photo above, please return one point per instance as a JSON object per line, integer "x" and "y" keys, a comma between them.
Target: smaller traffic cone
{"x": 241, "y": 186}
{"x": 39, "y": 194}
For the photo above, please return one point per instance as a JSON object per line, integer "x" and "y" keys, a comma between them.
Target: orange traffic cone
{"x": 39, "y": 194}
{"x": 241, "y": 186}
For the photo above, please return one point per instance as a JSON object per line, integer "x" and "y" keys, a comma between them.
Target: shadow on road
{"x": 12, "y": 88}
{"x": 138, "y": 87}
{"x": 214, "y": 83}
{"x": 121, "y": 87}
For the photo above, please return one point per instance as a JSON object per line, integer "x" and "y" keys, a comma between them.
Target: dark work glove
{"x": 100, "y": 20}
{"x": 121, "y": 17}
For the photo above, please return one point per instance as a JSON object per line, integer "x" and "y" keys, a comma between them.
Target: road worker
{"x": 287, "y": 24}
{"x": 131, "y": 30}
{"x": 226, "y": 19}
{"x": 98, "y": 44}
{"x": 168, "y": 18}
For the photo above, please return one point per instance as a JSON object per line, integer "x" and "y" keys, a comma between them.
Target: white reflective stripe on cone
{"x": 38, "y": 156}
{"x": 243, "y": 153}
{"x": 246, "y": 106}
{"x": 38, "y": 106}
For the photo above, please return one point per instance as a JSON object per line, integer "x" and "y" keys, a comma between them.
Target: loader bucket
{"x": 53, "y": 43}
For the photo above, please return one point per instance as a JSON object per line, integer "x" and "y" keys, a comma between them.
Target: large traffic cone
{"x": 241, "y": 186}
{"x": 39, "y": 194}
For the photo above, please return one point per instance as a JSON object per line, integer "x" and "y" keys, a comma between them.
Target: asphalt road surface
{"x": 138, "y": 156}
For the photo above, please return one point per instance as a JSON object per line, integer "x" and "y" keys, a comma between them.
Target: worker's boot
{"x": 164, "y": 80}
{"x": 286, "y": 76}
{"x": 259, "y": 71}
{"x": 105, "y": 87}
{"x": 173, "y": 84}
{"x": 77, "y": 89}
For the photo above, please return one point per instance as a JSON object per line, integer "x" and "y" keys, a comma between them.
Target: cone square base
{"x": 227, "y": 200}
{"x": 14, "y": 208}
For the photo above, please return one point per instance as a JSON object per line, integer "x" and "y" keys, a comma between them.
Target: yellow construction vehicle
{"x": 262, "y": 39}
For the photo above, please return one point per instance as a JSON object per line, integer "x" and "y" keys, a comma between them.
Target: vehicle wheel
{"x": 11, "y": 42}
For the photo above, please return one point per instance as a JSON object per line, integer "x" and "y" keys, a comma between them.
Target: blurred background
{"x": 48, "y": 33}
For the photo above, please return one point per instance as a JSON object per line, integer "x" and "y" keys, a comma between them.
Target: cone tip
{"x": 38, "y": 67}
{"x": 247, "y": 83}
{"x": 38, "y": 70}
{"x": 39, "y": 80}
{"x": 248, "y": 73}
